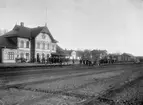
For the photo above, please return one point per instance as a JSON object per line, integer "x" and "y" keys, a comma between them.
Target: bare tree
{"x": 3, "y": 31}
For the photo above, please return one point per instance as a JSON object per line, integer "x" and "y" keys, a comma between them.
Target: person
{"x": 56, "y": 59}
{"x": 80, "y": 61}
{"x": 73, "y": 61}
{"x": 53, "y": 60}
{"x": 50, "y": 60}
{"x": 67, "y": 60}
{"x": 47, "y": 60}
{"x": 60, "y": 61}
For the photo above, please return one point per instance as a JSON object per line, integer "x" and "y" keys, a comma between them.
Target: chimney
{"x": 22, "y": 24}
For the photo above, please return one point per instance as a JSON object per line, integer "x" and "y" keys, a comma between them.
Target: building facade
{"x": 27, "y": 43}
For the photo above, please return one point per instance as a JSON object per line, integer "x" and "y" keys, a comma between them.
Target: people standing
{"x": 73, "y": 61}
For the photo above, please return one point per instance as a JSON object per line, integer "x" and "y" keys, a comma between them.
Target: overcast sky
{"x": 114, "y": 25}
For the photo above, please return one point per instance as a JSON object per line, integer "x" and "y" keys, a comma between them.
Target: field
{"x": 76, "y": 86}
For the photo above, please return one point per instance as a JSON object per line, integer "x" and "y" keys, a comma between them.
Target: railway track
{"x": 67, "y": 74}
{"x": 42, "y": 70}
{"x": 106, "y": 96}
{"x": 89, "y": 99}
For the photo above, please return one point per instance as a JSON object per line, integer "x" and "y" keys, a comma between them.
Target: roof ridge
{"x": 26, "y": 32}
{"x": 23, "y": 26}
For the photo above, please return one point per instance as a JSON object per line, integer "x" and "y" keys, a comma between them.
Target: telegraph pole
{"x": 46, "y": 17}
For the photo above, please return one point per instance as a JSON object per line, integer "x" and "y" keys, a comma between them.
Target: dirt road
{"x": 83, "y": 87}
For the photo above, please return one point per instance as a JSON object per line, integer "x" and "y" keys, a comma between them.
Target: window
{"x": 48, "y": 46}
{"x": 43, "y": 55}
{"x": 22, "y": 55}
{"x": 43, "y": 46}
{"x": 27, "y": 44}
{"x": 11, "y": 55}
{"x": 27, "y": 55}
{"x": 38, "y": 45}
{"x": 53, "y": 46}
{"x": 22, "y": 44}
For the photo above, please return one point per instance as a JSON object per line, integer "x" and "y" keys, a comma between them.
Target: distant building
{"x": 125, "y": 57}
{"x": 73, "y": 55}
{"x": 139, "y": 58}
{"x": 28, "y": 43}
{"x": 60, "y": 52}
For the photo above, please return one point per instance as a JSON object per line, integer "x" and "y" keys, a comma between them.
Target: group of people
{"x": 86, "y": 62}
{"x": 61, "y": 60}
{"x": 96, "y": 62}
{"x": 52, "y": 60}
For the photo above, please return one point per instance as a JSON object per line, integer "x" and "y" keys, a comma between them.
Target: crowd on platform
{"x": 81, "y": 61}
{"x": 52, "y": 60}
{"x": 95, "y": 62}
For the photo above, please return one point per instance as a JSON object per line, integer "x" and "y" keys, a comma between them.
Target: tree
{"x": 87, "y": 54}
{"x": 79, "y": 53}
{"x": 3, "y": 31}
{"x": 98, "y": 54}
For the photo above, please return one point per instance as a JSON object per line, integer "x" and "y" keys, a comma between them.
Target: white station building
{"x": 28, "y": 43}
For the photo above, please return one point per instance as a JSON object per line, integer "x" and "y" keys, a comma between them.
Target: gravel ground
{"x": 72, "y": 83}
{"x": 23, "y": 97}
{"x": 72, "y": 88}
{"x": 14, "y": 96}
{"x": 131, "y": 95}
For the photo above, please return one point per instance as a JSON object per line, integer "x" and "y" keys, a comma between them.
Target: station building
{"x": 28, "y": 43}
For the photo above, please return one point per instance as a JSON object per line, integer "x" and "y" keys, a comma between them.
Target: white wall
{"x": 25, "y": 40}
{"x": 5, "y": 55}
{"x": 46, "y": 40}
{"x": 39, "y": 37}
{"x": 73, "y": 55}
{"x": 24, "y": 49}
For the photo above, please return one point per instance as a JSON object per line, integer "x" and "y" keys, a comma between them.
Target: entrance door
{"x": 43, "y": 55}
{"x": 27, "y": 56}
{"x": 38, "y": 58}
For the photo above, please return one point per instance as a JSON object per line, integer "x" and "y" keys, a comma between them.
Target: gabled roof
{"x": 127, "y": 54}
{"x": 6, "y": 42}
{"x": 59, "y": 50}
{"x": 19, "y": 31}
{"x": 11, "y": 33}
{"x": 37, "y": 30}
{"x": 25, "y": 32}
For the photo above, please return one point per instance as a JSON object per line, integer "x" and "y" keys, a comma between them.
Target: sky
{"x": 114, "y": 25}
